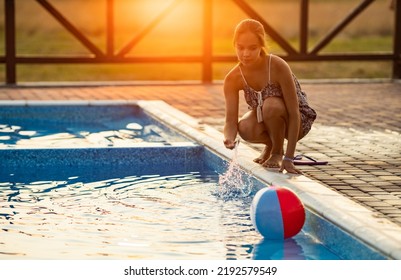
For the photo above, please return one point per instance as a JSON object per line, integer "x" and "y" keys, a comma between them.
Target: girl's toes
{"x": 270, "y": 164}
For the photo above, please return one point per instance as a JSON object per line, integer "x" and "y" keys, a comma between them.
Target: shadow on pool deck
{"x": 357, "y": 130}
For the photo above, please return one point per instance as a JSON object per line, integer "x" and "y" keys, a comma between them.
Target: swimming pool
{"x": 81, "y": 126}
{"x": 157, "y": 200}
{"x": 126, "y": 211}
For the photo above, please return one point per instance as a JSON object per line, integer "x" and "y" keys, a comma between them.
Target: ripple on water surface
{"x": 149, "y": 216}
{"x": 71, "y": 213}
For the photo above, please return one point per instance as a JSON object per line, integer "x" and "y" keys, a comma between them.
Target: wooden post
{"x": 10, "y": 42}
{"x": 207, "y": 71}
{"x": 304, "y": 26}
{"x": 110, "y": 27}
{"x": 397, "y": 40}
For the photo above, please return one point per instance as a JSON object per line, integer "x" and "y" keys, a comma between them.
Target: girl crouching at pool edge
{"x": 278, "y": 107}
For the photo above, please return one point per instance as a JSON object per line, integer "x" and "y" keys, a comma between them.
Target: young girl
{"x": 279, "y": 108}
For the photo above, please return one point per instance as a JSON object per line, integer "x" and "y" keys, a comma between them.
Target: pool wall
{"x": 349, "y": 229}
{"x": 155, "y": 155}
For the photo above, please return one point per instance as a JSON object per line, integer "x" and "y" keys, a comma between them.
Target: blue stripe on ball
{"x": 266, "y": 214}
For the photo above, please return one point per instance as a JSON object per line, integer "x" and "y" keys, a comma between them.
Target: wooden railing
{"x": 207, "y": 58}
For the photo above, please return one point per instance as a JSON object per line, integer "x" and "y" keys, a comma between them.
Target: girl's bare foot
{"x": 274, "y": 161}
{"x": 264, "y": 155}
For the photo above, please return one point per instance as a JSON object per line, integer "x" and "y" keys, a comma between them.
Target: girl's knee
{"x": 274, "y": 107}
{"x": 249, "y": 130}
{"x": 244, "y": 130}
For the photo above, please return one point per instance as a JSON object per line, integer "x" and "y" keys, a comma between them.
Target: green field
{"x": 180, "y": 33}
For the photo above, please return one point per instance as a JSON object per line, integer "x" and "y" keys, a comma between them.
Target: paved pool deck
{"x": 357, "y": 130}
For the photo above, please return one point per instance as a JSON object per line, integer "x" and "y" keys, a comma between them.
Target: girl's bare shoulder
{"x": 279, "y": 68}
{"x": 279, "y": 64}
{"x": 233, "y": 79}
{"x": 233, "y": 74}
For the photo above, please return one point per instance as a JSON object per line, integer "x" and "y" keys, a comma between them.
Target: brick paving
{"x": 357, "y": 130}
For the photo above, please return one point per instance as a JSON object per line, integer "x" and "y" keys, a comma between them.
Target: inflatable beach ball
{"x": 277, "y": 213}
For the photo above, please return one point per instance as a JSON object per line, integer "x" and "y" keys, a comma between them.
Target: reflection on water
{"x": 100, "y": 136}
{"x": 70, "y": 215}
{"x": 149, "y": 216}
{"x": 80, "y": 126}
{"x": 300, "y": 247}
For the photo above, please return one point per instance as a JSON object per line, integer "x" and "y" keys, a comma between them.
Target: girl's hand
{"x": 230, "y": 144}
{"x": 289, "y": 167}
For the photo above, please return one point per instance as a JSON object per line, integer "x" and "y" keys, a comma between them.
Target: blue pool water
{"x": 93, "y": 126}
{"x": 120, "y": 213}
{"x": 127, "y": 201}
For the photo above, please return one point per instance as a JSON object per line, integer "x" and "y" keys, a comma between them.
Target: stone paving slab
{"x": 357, "y": 130}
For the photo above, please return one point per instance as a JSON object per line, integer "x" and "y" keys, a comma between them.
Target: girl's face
{"x": 248, "y": 48}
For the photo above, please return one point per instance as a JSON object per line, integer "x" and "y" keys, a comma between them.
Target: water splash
{"x": 235, "y": 182}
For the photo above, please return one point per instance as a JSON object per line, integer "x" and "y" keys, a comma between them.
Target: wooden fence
{"x": 207, "y": 57}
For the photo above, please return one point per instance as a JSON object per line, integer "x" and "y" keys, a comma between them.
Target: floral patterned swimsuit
{"x": 255, "y": 100}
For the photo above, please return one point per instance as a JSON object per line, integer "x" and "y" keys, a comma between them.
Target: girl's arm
{"x": 231, "y": 94}
{"x": 291, "y": 102}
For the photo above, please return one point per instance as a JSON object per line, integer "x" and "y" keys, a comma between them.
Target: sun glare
{"x": 163, "y": 26}
{"x": 173, "y": 14}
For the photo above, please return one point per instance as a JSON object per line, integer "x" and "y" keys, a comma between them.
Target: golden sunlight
{"x": 171, "y": 14}
{"x": 172, "y": 26}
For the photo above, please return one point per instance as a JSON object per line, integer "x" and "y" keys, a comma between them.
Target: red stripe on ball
{"x": 293, "y": 211}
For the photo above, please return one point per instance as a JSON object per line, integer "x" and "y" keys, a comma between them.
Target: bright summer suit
{"x": 255, "y": 100}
